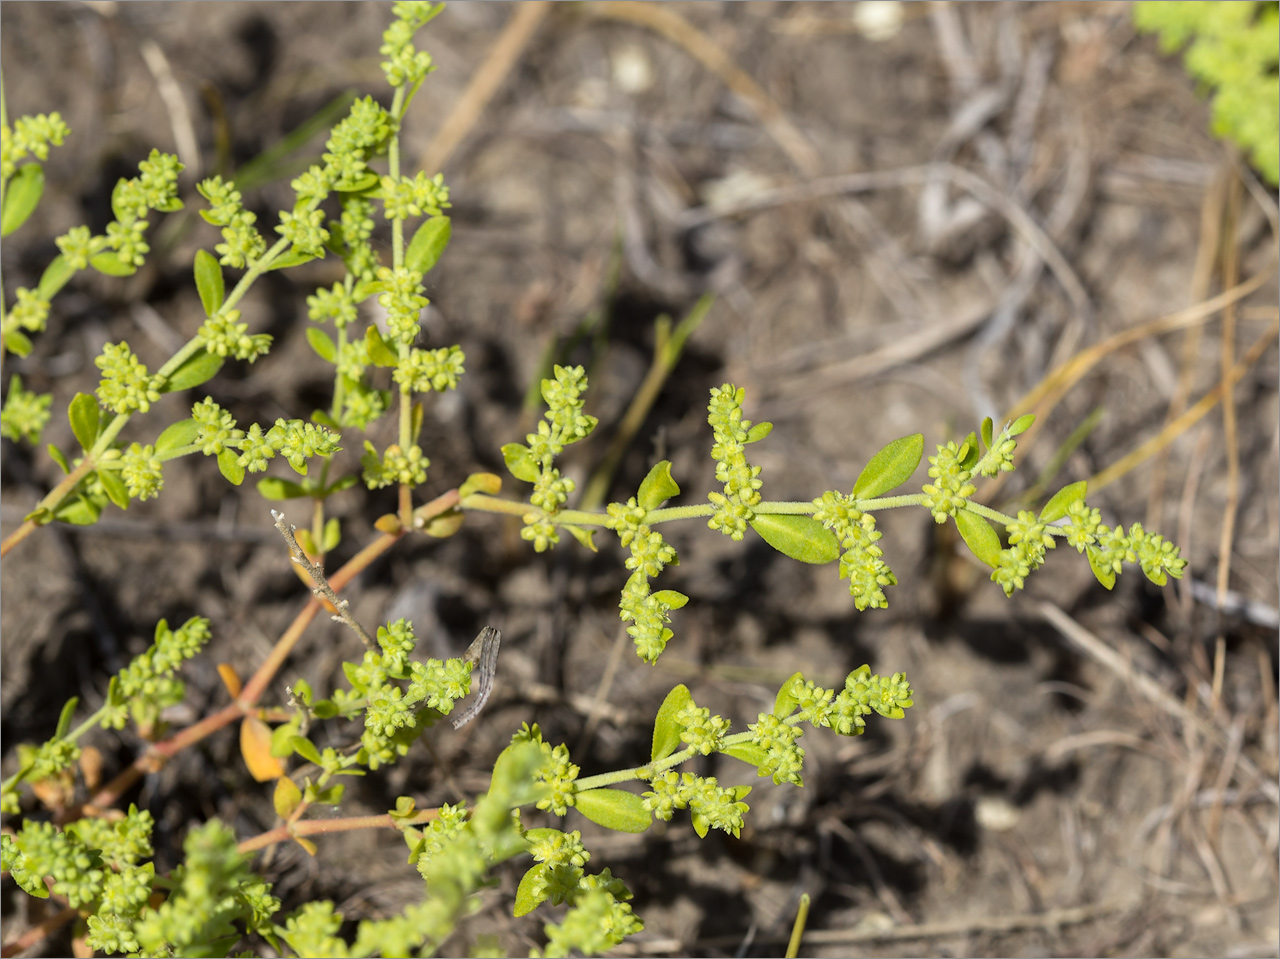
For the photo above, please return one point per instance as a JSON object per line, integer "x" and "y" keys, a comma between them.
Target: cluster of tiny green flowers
{"x": 40, "y": 849}
{"x": 396, "y": 466}
{"x": 702, "y": 731}
{"x": 224, "y": 336}
{"x": 406, "y": 66}
{"x": 25, "y": 412}
{"x": 861, "y": 561}
{"x": 30, "y": 312}
{"x": 952, "y": 488}
{"x": 30, "y": 136}
{"x": 865, "y": 692}
{"x": 783, "y": 760}
{"x": 417, "y": 196}
{"x": 77, "y": 245}
{"x": 215, "y": 892}
{"x": 393, "y": 712}
{"x": 216, "y": 428}
{"x": 710, "y": 805}
{"x": 741, "y": 480}
{"x": 556, "y": 847}
{"x": 563, "y": 423}
{"x": 126, "y": 385}
{"x": 1108, "y": 549}
{"x": 557, "y": 775}
{"x": 295, "y": 440}
{"x": 362, "y": 134}
{"x": 148, "y": 685}
{"x": 350, "y": 236}
{"x": 155, "y": 188}
{"x": 648, "y": 615}
{"x": 436, "y": 836}
{"x": 242, "y": 243}
{"x": 424, "y": 370}
{"x": 141, "y": 471}
{"x": 336, "y": 305}
{"x": 48, "y": 759}
{"x": 304, "y": 230}
{"x": 403, "y": 300}
{"x": 1028, "y": 541}
{"x": 597, "y": 921}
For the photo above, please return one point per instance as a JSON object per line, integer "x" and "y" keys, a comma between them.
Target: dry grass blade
{"x": 1150, "y": 690}
{"x": 484, "y": 84}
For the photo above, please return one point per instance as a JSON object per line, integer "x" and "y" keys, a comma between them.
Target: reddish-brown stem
{"x": 316, "y": 827}
{"x": 56, "y": 496}
{"x": 246, "y": 702}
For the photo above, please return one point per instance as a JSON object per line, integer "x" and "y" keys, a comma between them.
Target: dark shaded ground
{"x": 1032, "y": 803}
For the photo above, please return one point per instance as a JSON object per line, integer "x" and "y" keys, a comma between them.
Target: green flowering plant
{"x": 1233, "y": 50}
{"x": 98, "y": 863}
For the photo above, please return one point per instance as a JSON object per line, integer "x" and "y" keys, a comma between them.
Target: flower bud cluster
{"x": 951, "y": 489}
{"x": 711, "y": 806}
{"x": 741, "y": 480}
{"x": 861, "y": 561}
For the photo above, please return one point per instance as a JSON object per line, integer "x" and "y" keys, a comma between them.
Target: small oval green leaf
{"x": 969, "y": 452}
{"x": 490, "y": 484}
{"x": 176, "y": 436}
{"x": 290, "y": 259}
{"x": 891, "y": 467}
{"x": 17, "y": 343}
{"x": 55, "y": 277}
{"x": 532, "y": 891}
{"x": 666, "y": 731}
{"x": 379, "y": 353}
{"x": 209, "y": 282}
{"x": 583, "y": 536}
{"x": 108, "y": 262}
{"x": 800, "y": 537}
{"x": 428, "y": 243}
{"x": 674, "y": 599}
{"x": 614, "y": 809}
{"x": 1105, "y": 574}
{"x": 305, "y": 748}
{"x": 519, "y": 460}
{"x": 988, "y": 426}
{"x": 199, "y": 368}
{"x": 980, "y": 536}
{"x": 749, "y": 752}
{"x": 758, "y": 432}
{"x": 64, "y": 719}
{"x": 1062, "y": 501}
{"x": 1022, "y": 424}
{"x": 21, "y": 196}
{"x": 275, "y": 488}
{"x": 323, "y": 344}
{"x": 229, "y": 465}
{"x": 59, "y": 457}
{"x": 84, "y": 416}
{"x": 80, "y": 511}
{"x": 114, "y": 486}
{"x": 785, "y": 702}
{"x": 658, "y": 486}
{"x": 332, "y": 534}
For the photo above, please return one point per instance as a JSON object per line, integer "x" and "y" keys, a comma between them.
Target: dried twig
{"x": 320, "y": 587}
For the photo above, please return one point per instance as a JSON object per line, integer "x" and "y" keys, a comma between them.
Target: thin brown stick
{"x": 660, "y": 18}
{"x": 319, "y": 585}
{"x": 1190, "y": 417}
{"x": 1150, "y": 690}
{"x": 1230, "y": 268}
{"x": 484, "y": 83}
{"x": 320, "y": 827}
